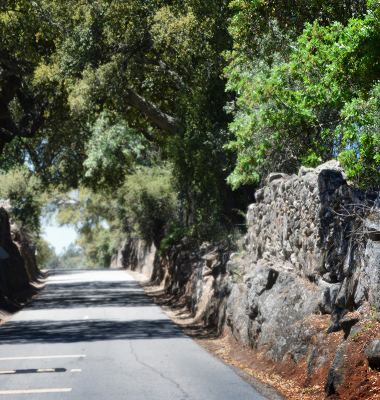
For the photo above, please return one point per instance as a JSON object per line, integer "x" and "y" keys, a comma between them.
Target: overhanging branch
{"x": 164, "y": 121}
{"x": 159, "y": 62}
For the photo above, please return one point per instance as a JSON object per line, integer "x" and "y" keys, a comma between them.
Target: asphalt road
{"x": 95, "y": 334}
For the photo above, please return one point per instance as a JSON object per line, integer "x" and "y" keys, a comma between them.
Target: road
{"x": 95, "y": 334}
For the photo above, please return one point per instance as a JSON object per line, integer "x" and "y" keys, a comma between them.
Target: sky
{"x": 58, "y": 236}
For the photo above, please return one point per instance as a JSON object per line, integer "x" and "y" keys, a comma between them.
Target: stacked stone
{"x": 282, "y": 223}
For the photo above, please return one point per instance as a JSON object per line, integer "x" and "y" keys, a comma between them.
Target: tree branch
{"x": 27, "y": 126}
{"x": 164, "y": 121}
{"x": 158, "y": 61}
{"x": 14, "y": 65}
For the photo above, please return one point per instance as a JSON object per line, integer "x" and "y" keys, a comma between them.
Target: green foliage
{"x": 44, "y": 252}
{"x": 170, "y": 54}
{"x": 176, "y": 232}
{"x": 22, "y": 188}
{"x": 113, "y": 146}
{"x": 98, "y": 247}
{"x": 104, "y": 95}
{"x": 150, "y": 200}
{"x": 72, "y": 257}
{"x": 145, "y": 206}
{"x": 251, "y": 18}
{"x": 315, "y": 100}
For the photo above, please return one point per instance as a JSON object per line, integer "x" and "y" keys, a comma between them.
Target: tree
{"x": 27, "y": 41}
{"x": 299, "y": 103}
{"x": 154, "y": 67}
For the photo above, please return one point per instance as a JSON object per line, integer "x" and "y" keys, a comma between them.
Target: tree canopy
{"x": 97, "y": 96}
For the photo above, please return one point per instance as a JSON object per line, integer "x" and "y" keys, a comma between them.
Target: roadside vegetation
{"x": 159, "y": 119}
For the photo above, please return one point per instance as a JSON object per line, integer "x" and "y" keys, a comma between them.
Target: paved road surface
{"x": 94, "y": 334}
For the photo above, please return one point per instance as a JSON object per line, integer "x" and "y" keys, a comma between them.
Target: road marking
{"x": 34, "y": 391}
{"x": 34, "y": 358}
{"x": 76, "y": 370}
{"x": 46, "y": 370}
{"x": 86, "y": 317}
{"x": 31, "y": 371}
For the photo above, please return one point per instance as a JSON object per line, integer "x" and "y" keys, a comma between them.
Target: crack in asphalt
{"x": 186, "y": 396}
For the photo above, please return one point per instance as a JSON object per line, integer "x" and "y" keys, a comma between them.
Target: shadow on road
{"x": 73, "y": 293}
{"x": 86, "y": 331}
{"x": 91, "y": 294}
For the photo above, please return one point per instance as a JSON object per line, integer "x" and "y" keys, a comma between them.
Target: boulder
{"x": 373, "y": 353}
{"x": 337, "y": 315}
{"x": 347, "y": 322}
{"x": 327, "y": 294}
{"x": 335, "y": 376}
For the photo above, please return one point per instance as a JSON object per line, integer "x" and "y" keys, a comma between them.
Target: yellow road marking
{"x": 34, "y": 391}
{"x": 7, "y": 372}
{"x": 76, "y": 370}
{"x": 34, "y": 358}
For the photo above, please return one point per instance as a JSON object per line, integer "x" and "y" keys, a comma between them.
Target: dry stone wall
{"x": 312, "y": 225}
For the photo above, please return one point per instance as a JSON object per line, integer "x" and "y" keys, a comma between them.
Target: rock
{"x": 336, "y": 316}
{"x": 331, "y": 165}
{"x": 372, "y": 271}
{"x": 347, "y": 322}
{"x": 319, "y": 355}
{"x": 236, "y": 317}
{"x": 275, "y": 176}
{"x": 136, "y": 255}
{"x": 207, "y": 271}
{"x": 373, "y": 352}
{"x": 259, "y": 195}
{"x": 211, "y": 256}
{"x": 303, "y": 171}
{"x": 275, "y": 301}
{"x": 231, "y": 266}
{"x": 329, "y": 179}
{"x": 326, "y": 297}
{"x": 335, "y": 376}
{"x": 372, "y": 224}
{"x": 17, "y": 273}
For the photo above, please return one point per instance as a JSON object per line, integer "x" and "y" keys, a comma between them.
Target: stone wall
{"x": 135, "y": 255}
{"x": 307, "y": 252}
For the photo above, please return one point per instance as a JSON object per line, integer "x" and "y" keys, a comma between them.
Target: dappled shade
{"x": 47, "y": 331}
{"x": 91, "y": 294}
{"x": 71, "y": 295}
